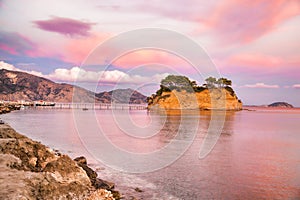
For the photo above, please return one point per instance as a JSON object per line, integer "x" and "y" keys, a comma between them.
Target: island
{"x": 281, "y": 105}
{"x": 179, "y": 92}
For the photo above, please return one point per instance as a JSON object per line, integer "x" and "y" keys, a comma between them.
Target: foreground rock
{"x": 30, "y": 170}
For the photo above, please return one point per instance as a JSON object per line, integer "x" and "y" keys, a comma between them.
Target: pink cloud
{"x": 15, "y": 43}
{"x": 244, "y": 21}
{"x": 77, "y": 49}
{"x": 259, "y": 65}
{"x": 260, "y": 85}
{"x": 142, "y": 57}
{"x": 297, "y": 86}
{"x": 255, "y": 60}
{"x": 65, "y": 26}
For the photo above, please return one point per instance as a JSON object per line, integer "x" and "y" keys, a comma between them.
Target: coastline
{"x": 30, "y": 170}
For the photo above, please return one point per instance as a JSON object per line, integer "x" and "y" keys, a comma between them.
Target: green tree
{"x": 177, "y": 82}
{"x": 224, "y": 82}
{"x": 210, "y": 82}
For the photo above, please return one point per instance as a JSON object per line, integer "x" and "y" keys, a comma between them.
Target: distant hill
{"x": 122, "y": 96}
{"x": 281, "y": 105}
{"x": 16, "y": 86}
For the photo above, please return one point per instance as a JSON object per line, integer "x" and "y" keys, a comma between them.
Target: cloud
{"x": 76, "y": 74}
{"x": 297, "y": 86}
{"x": 65, "y": 26}
{"x": 245, "y": 21}
{"x": 4, "y": 65}
{"x": 77, "y": 49}
{"x": 15, "y": 43}
{"x": 260, "y": 85}
{"x": 260, "y": 64}
{"x": 146, "y": 56}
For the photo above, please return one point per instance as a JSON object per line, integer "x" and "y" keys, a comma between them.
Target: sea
{"x": 248, "y": 154}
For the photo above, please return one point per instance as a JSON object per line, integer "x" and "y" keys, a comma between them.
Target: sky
{"x": 255, "y": 43}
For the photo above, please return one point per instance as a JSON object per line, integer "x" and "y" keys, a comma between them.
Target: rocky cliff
{"x": 216, "y": 98}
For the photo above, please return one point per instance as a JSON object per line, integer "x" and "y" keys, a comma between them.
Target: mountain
{"x": 122, "y": 96}
{"x": 281, "y": 105}
{"x": 16, "y": 86}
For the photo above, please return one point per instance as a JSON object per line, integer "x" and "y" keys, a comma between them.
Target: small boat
{"x": 1, "y": 121}
{"x": 84, "y": 109}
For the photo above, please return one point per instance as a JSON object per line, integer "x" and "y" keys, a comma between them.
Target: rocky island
{"x": 178, "y": 92}
{"x": 281, "y": 105}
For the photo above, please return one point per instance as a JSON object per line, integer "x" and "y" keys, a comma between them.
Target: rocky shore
{"x": 30, "y": 170}
{"x": 8, "y": 107}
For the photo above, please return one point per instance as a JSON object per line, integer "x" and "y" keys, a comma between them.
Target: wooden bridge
{"x": 99, "y": 106}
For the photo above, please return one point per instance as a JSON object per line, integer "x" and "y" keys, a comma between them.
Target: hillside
{"x": 23, "y": 86}
{"x": 122, "y": 96}
{"x": 16, "y": 86}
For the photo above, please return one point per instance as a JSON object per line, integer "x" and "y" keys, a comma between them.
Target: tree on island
{"x": 180, "y": 83}
{"x": 212, "y": 82}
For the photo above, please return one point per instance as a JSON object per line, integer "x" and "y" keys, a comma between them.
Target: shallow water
{"x": 257, "y": 155}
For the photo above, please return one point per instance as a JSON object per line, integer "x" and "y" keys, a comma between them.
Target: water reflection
{"x": 255, "y": 157}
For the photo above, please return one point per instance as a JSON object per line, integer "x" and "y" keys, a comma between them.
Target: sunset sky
{"x": 255, "y": 43}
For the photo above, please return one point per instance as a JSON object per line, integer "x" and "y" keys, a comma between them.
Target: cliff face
{"x": 218, "y": 98}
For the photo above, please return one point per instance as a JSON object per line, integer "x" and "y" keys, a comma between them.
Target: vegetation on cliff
{"x": 213, "y": 91}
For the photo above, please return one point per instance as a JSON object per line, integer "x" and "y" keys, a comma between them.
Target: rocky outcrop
{"x": 216, "y": 98}
{"x": 30, "y": 170}
{"x": 281, "y": 105}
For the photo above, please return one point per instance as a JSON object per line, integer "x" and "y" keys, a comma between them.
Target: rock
{"x": 81, "y": 160}
{"x": 91, "y": 173}
{"x": 64, "y": 169}
{"x": 138, "y": 189}
{"x": 101, "y": 194}
{"x": 33, "y": 171}
{"x": 99, "y": 183}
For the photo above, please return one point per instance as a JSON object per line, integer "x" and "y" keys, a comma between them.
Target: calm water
{"x": 256, "y": 157}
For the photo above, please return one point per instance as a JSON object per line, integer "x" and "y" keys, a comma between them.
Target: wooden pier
{"x": 99, "y": 106}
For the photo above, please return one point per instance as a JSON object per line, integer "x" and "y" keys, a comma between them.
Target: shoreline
{"x": 32, "y": 170}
